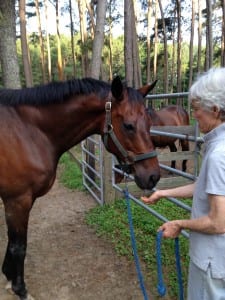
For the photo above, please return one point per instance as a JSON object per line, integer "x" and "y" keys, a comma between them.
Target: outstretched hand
{"x": 152, "y": 199}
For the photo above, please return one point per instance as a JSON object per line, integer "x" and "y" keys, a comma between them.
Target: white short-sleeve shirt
{"x": 208, "y": 249}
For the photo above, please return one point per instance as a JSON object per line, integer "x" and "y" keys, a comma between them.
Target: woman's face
{"x": 208, "y": 119}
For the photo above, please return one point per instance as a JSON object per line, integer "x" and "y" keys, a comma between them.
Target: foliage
{"x": 118, "y": 56}
{"x": 71, "y": 175}
{"x": 118, "y": 59}
{"x": 111, "y": 221}
{"x": 115, "y": 13}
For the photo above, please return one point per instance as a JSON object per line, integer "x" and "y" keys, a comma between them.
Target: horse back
{"x": 171, "y": 115}
{"x": 174, "y": 115}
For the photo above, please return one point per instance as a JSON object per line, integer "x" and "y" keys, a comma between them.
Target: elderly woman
{"x": 207, "y": 224}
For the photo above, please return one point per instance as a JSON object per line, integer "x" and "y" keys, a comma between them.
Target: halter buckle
{"x": 108, "y": 106}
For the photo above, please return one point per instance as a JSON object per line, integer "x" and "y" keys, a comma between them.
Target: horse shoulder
{"x": 25, "y": 155}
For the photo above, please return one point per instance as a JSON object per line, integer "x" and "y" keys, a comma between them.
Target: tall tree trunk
{"x": 149, "y": 27}
{"x": 110, "y": 42}
{"x": 179, "y": 72}
{"x": 24, "y": 46}
{"x": 8, "y": 53}
{"x": 59, "y": 60}
{"x": 128, "y": 35}
{"x": 131, "y": 52}
{"x": 173, "y": 63}
{"x": 156, "y": 40}
{"x": 136, "y": 58}
{"x": 48, "y": 43}
{"x": 91, "y": 15}
{"x": 98, "y": 39}
{"x": 165, "y": 75}
{"x": 72, "y": 38}
{"x": 191, "y": 43}
{"x": 199, "y": 36}
{"x": 83, "y": 33}
{"x": 41, "y": 42}
{"x": 209, "y": 41}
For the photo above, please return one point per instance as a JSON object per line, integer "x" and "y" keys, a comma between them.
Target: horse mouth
{"x": 147, "y": 183}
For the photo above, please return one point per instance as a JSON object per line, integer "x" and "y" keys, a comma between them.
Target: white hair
{"x": 209, "y": 89}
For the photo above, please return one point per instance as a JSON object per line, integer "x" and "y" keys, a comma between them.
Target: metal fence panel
{"x": 94, "y": 186}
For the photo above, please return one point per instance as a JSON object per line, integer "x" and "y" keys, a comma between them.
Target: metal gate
{"x": 93, "y": 172}
{"x": 135, "y": 194}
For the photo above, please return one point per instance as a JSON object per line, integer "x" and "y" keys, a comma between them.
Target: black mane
{"x": 53, "y": 92}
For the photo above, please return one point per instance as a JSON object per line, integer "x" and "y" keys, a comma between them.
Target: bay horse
{"x": 39, "y": 124}
{"x": 171, "y": 115}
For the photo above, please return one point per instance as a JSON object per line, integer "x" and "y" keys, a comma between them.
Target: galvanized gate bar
{"x": 95, "y": 187}
{"x": 178, "y": 136}
{"x": 168, "y": 96}
{"x": 178, "y": 172}
{"x": 146, "y": 207}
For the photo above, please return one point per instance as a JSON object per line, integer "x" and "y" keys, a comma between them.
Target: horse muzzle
{"x": 147, "y": 182}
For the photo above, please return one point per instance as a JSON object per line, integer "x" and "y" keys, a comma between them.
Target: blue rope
{"x": 179, "y": 272}
{"x": 161, "y": 287}
{"x": 134, "y": 247}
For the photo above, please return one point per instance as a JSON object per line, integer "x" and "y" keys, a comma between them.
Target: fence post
{"x": 108, "y": 190}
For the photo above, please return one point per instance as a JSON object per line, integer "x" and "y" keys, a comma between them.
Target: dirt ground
{"x": 65, "y": 259}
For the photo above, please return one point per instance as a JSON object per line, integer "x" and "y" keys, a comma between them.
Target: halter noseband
{"x": 108, "y": 132}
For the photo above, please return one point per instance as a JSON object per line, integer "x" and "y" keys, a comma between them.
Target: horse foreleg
{"x": 16, "y": 215}
{"x": 13, "y": 266}
{"x": 173, "y": 148}
{"x": 185, "y": 147}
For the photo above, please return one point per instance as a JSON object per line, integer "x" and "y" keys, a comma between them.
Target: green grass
{"x": 111, "y": 222}
{"x": 71, "y": 175}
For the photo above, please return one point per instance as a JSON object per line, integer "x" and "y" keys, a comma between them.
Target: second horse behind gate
{"x": 171, "y": 115}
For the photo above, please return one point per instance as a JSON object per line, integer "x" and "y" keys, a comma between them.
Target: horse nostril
{"x": 153, "y": 179}
{"x": 147, "y": 183}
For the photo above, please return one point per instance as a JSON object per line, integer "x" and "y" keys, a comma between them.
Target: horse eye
{"x": 128, "y": 126}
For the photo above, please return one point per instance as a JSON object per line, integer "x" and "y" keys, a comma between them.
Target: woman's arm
{"x": 213, "y": 223}
{"x": 178, "y": 192}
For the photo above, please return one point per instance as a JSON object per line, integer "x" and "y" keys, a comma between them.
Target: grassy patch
{"x": 70, "y": 175}
{"x": 111, "y": 221}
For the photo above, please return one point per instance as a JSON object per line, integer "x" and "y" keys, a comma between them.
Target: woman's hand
{"x": 171, "y": 229}
{"x": 153, "y": 198}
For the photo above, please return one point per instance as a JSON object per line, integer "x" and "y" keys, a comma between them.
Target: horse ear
{"x": 144, "y": 90}
{"x": 117, "y": 88}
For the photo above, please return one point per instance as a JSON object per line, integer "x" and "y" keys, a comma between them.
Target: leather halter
{"x": 108, "y": 132}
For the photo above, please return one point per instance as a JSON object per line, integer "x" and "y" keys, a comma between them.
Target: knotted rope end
{"x": 161, "y": 290}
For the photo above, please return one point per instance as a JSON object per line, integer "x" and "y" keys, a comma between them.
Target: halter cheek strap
{"x": 108, "y": 132}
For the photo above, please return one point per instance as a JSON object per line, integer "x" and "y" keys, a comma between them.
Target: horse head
{"x": 127, "y": 133}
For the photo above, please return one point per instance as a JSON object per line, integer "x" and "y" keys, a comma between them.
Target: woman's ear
{"x": 216, "y": 111}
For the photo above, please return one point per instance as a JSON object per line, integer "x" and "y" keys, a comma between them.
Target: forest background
{"x": 172, "y": 41}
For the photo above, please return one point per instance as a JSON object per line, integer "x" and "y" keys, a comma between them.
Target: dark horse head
{"x": 127, "y": 133}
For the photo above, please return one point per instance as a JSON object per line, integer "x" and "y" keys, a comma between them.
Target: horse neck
{"x": 67, "y": 124}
